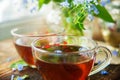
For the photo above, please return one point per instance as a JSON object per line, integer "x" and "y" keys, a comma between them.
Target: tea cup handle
{"x": 104, "y": 63}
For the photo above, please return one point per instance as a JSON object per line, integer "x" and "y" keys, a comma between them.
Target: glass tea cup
{"x": 25, "y": 34}
{"x": 64, "y": 57}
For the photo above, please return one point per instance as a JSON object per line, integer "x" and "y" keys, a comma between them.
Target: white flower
{"x": 77, "y": 2}
{"x": 90, "y": 17}
{"x": 65, "y": 4}
{"x": 53, "y": 17}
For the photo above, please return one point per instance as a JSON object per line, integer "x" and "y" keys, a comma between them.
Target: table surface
{"x": 8, "y": 55}
{"x": 113, "y": 74}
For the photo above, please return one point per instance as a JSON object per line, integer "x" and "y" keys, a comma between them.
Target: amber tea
{"x": 68, "y": 57}
{"x": 72, "y": 67}
{"x": 25, "y": 51}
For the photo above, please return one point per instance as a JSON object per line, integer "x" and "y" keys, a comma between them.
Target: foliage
{"x": 74, "y": 12}
{"x": 16, "y": 64}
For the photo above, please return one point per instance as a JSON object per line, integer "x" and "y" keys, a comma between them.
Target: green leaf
{"x": 46, "y": 1}
{"x": 24, "y": 77}
{"x": 104, "y": 14}
{"x": 58, "y": 0}
{"x": 80, "y": 27}
{"x": 70, "y": 1}
{"x": 15, "y": 65}
{"x": 41, "y": 2}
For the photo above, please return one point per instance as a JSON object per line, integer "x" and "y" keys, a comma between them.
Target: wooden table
{"x": 8, "y": 55}
{"x": 113, "y": 74}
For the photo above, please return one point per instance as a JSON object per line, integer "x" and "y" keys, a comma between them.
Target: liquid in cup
{"x": 61, "y": 70}
{"x": 24, "y": 51}
{"x": 25, "y": 34}
{"x": 60, "y": 60}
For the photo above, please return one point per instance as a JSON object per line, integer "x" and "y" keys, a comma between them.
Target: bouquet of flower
{"x": 74, "y": 13}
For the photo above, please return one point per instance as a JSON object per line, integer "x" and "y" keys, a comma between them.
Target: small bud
{"x": 104, "y": 72}
{"x": 115, "y": 53}
{"x": 20, "y": 67}
{"x": 19, "y": 78}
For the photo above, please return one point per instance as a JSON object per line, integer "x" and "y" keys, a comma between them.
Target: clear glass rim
{"x": 14, "y": 33}
{"x": 77, "y": 52}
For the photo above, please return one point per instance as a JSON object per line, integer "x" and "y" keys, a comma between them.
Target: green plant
{"x": 74, "y": 12}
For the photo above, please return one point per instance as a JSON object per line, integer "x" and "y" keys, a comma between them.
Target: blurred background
{"x": 22, "y": 12}
{"x": 19, "y": 12}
